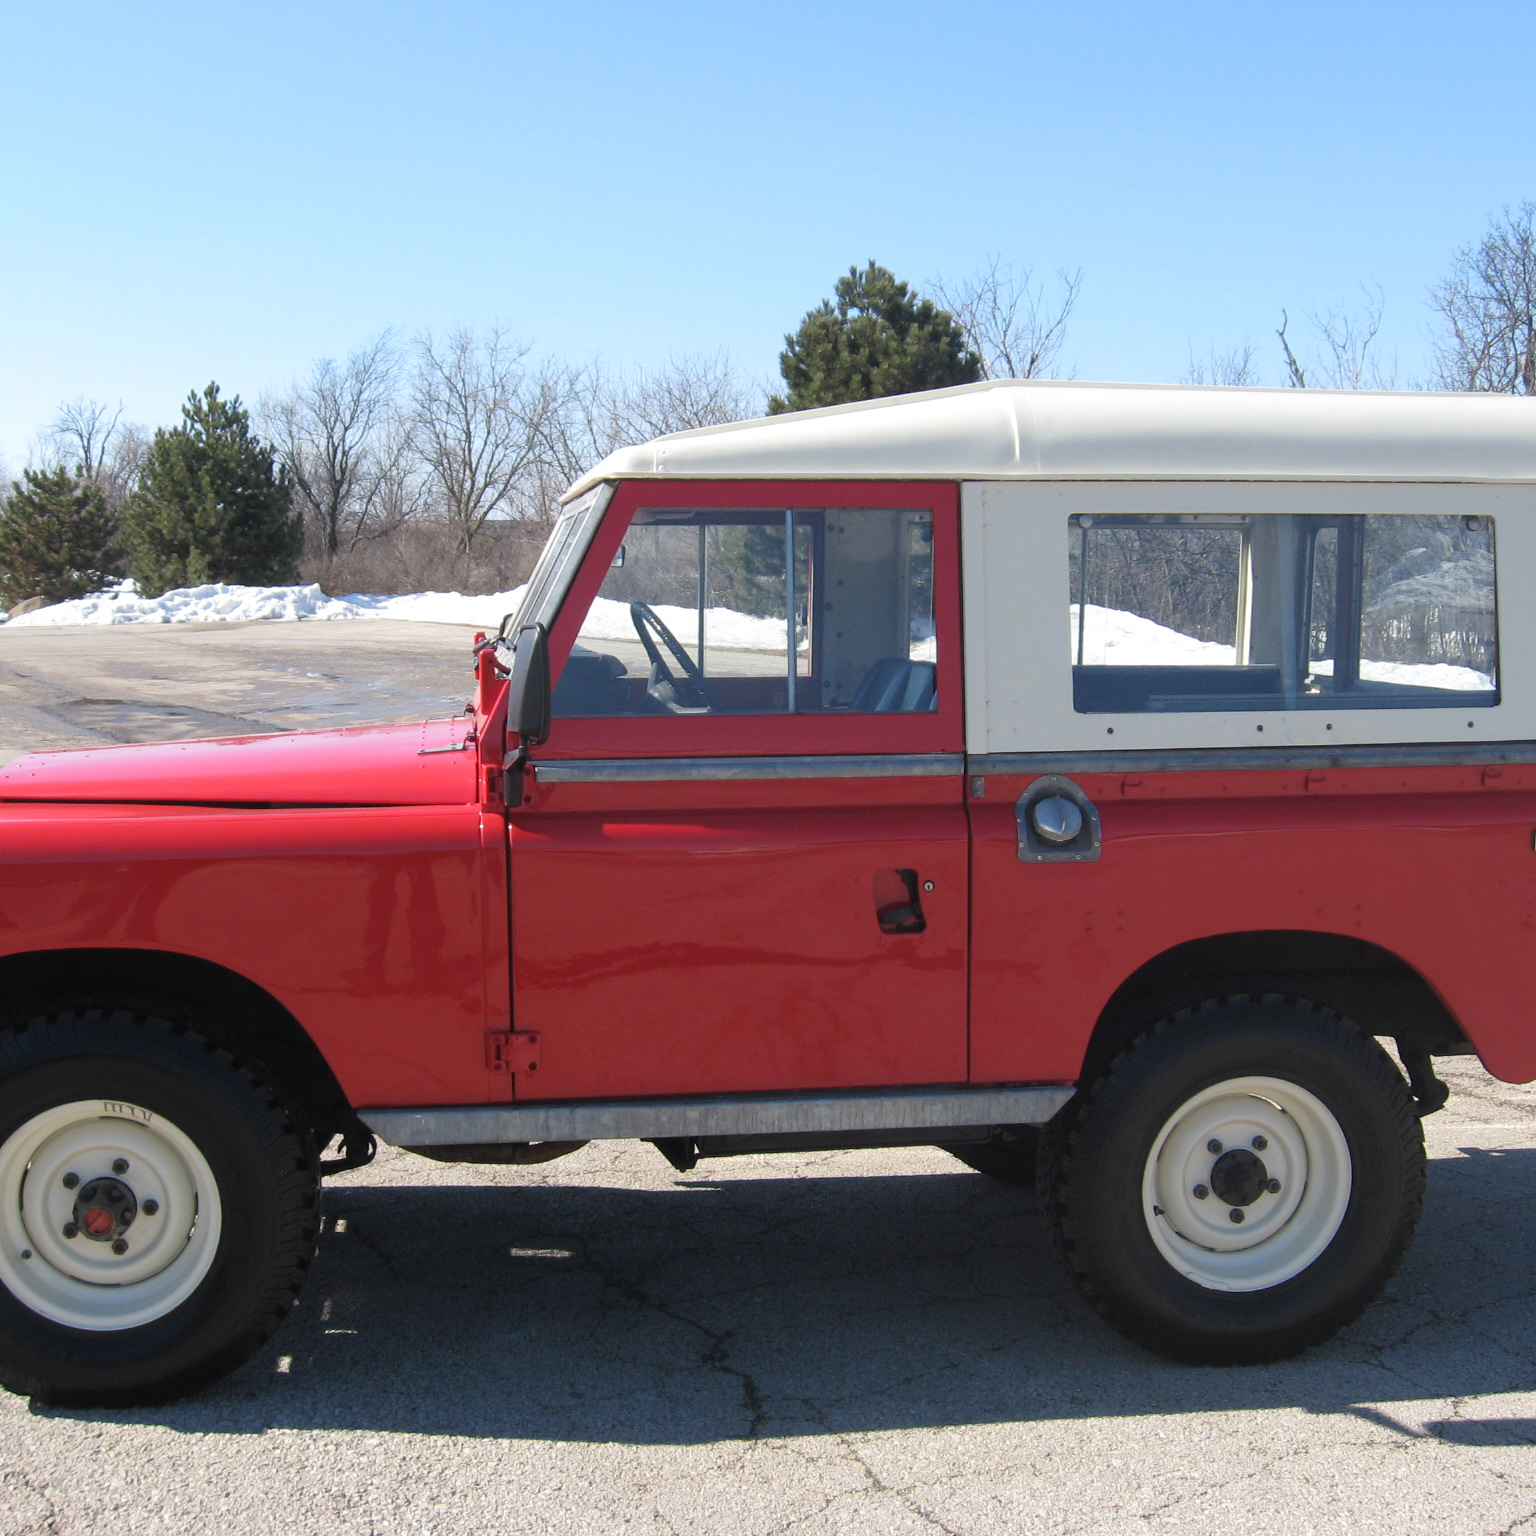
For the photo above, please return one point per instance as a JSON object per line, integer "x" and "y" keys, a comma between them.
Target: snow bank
{"x": 1113, "y": 638}
{"x": 218, "y": 603}
{"x": 724, "y": 628}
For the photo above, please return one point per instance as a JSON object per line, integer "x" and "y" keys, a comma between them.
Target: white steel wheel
{"x": 1246, "y": 1184}
{"x": 109, "y": 1215}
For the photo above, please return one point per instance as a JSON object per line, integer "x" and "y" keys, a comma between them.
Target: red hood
{"x": 357, "y": 765}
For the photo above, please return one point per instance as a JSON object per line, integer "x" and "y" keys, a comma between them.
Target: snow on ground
{"x": 1112, "y": 638}
{"x": 724, "y": 628}
{"x": 219, "y": 603}
{"x": 1115, "y": 638}
{"x": 1440, "y": 674}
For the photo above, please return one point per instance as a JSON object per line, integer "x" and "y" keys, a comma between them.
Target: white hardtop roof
{"x": 1013, "y": 429}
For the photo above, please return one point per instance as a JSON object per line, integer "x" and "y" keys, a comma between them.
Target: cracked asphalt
{"x": 870, "y": 1342}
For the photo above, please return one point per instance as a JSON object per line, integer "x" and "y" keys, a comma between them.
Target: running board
{"x": 744, "y": 1114}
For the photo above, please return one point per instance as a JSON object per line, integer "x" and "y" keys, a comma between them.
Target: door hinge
{"x": 512, "y": 1050}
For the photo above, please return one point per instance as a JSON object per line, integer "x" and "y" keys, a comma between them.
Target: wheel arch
{"x": 221, "y": 1002}
{"x": 1365, "y": 982}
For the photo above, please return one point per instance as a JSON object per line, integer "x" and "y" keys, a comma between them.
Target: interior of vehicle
{"x": 760, "y": 612}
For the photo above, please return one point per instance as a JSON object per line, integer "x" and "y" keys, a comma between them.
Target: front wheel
{"x": 1240, "y": 1184}
{"x": 158, "y": 1209}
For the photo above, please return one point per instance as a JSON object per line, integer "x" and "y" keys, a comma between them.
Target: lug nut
{"x": 119, "y": 1165}
{"x": 1273, "y": 1186}
{"x": 1201, "y": 1191}
{"x": 71, "y": 1230}
{"x": 119, "y": 1247}
{"x": 71, "y": 1180}
{"x": 1213, "y": 1145}
{"x": 150, "y": 1207}
{"x": 1260, "y": 1142}
{"x": 1237, "y": 1217}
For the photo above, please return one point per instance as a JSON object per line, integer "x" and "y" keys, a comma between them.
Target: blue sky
{"x": 196, "y": 191}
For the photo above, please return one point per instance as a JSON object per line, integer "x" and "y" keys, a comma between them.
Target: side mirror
{"x": 528, "y": 697}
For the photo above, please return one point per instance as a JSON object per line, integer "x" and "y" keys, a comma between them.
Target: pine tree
{"x": 211, "y": 504}
{"x": 878, "y": 338}
{"x": 58, "y": 538}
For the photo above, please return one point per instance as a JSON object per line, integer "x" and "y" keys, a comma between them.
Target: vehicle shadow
{"x": 740, "y": 1307}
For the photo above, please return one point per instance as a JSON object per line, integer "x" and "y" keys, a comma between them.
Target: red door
{"x": 740, "y": 862}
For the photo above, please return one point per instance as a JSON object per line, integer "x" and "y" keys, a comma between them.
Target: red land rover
{"x": 1082, "y": 778}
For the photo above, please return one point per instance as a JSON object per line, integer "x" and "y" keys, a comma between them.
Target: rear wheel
{"x": 1240, "y": 1184}
{"x": 158, "y": 1209}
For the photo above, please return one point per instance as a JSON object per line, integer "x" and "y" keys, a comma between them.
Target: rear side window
{"x": 1179, "y": 612}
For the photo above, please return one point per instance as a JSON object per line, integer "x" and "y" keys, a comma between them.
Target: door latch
{"x": 512, "y": 1050}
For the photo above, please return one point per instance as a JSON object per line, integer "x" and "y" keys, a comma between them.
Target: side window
{"x": 1183, "y": 612}
{"x": 760, "y": 612}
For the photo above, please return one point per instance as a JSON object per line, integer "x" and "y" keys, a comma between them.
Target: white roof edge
{"x": 1011, "y": 429}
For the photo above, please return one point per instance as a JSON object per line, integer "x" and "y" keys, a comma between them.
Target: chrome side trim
{"x": 895, "y": 1109}
{"x": 1426, "y": 754}
{"x": 658, "y": 770}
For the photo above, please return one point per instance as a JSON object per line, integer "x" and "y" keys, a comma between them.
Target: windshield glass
{"x": 557, "y": 564}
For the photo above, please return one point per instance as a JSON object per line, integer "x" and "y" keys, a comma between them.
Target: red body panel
{"x": 1432, "y": 864}
{"x": 702, "y": 937}
{"x": 369, "y": 925}
{"x": 356, "y": 765}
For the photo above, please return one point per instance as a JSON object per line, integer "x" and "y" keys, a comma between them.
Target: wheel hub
{"x": 1239, "y": 1177}
{"x": 83, "y": 1246}
{"x": 104, "y": 1209}
{"x": 1225, "y": 1216}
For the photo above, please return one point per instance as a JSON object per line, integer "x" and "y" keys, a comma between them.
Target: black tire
{"x": 1012, "y": 1159}
{"x": 1124, "y": 1251}
{"x": 262, "y": 1165}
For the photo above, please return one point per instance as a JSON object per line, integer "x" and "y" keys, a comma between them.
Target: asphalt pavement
{"x": 855, "y": 1342}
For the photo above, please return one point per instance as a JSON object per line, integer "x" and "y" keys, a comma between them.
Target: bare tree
{"x": 695, "y": 390}
{"x": 1344, "y": 340}
{"x": 1487, "y": 308}
{"x": 1235, "y": 366}
{"x": 336, "y": 432}
{"x": 484, "y": 418}
{"x": 1009, "y": 321}
{"x": 81, "y": 435}
{"x": 119, "y": 475}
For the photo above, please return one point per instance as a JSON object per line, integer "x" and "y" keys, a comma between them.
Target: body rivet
{"x": 1201, "y": 1191}
{"x": 1213, "y": 1145}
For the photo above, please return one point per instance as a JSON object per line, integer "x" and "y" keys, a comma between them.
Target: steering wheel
{"x": 685, "y": 695}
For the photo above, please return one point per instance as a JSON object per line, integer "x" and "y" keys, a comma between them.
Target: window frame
{"x": 812, "y": 733}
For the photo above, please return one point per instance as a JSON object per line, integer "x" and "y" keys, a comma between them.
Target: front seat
{"x": 896, "y": 686}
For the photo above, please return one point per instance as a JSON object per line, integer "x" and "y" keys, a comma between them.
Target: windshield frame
{"x": 559, "y": 560}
